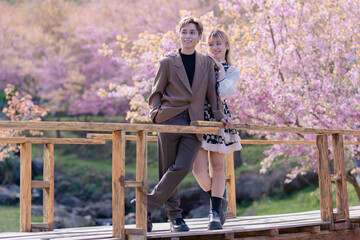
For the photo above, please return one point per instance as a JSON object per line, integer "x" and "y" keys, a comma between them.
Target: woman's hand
{"x": 217, "y": 64}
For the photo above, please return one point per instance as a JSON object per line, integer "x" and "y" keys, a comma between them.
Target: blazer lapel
{"x": 182, "y": 73}
{"x": 199, "y": 71}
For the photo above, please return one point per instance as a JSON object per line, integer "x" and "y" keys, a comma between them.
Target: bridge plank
{"x": 305, "y": 222}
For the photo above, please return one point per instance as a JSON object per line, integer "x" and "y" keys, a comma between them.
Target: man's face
{"x": 189, "y": 36}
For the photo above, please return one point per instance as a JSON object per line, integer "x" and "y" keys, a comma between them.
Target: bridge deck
{"x": 303, "y": 225}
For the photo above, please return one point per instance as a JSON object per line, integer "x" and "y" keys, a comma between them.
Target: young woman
{"x": 227, "y": 140}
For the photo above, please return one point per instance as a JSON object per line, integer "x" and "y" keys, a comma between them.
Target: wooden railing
{"x": 338, "y": 220}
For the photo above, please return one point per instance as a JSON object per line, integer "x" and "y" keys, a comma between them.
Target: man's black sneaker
{"x": 214, "y": 221}
{"x": 178, "y": 225}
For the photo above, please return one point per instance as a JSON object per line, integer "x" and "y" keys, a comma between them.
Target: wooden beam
{"x": 40, "y": 184}
{"x": 335, "y": 177}
{"x": 230, "y": 184}
{"x": 105, "y": 127}
{"x": 326, "y": 207}
{"x": 290, "y": 142}
{"x": 243, "y": 141}
{"x": 40, "y": 226}
{"x": 48, "y": 194}
{"x": 25, "y": 187}
{"x": 51, "y": 140}
{"x": 109, "y": 137}
{"x": 118, "y": 182}
{"x": 264, "y": 128}
{"x": 133, "y": 184}
{"x": 141, "y": 176}
{"x": 342, "y": 202}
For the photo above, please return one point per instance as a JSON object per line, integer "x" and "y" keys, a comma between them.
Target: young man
{"x": 181, "y": 85}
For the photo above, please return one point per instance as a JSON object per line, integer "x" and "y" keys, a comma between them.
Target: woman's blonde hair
{"x": 217, "y": 33}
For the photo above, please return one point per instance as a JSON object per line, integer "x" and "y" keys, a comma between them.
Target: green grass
{"x": 305, "y": 200}
{"x": 10, "y": 218}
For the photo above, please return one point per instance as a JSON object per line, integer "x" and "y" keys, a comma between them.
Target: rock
{"x": 159, "y": 215}
{"x": 62, "y": 186}
{"x": 14, "y": 188}
{"x": 200, "y": 212}
{"x": 130, "y": 218}
{"x": 36, "y": 210}
{"x": 300, "y": 182}
{"x": 98, "y": 210}
{"x": 104, "y": 221}
{"x": 71, "y": 201}
{"x": 7, "y": 197}
{"x": 65, "y": 219}
{"x": 36, "y": 168}
{"x": 251, "y": 186}
{"x": 37, "y": 196}
{"x": 192, "y": 199}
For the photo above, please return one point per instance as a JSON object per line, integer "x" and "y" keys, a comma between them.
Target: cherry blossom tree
{"x": 299, "y": 63}
{"x": 19, "y": 107}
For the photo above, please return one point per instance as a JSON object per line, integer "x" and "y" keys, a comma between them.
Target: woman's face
{"x": 217, "y": 48}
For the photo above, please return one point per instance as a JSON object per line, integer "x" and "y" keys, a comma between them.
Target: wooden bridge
{"x": 343, "y": 223}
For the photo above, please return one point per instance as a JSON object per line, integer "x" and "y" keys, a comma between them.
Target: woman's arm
{"x": 227, "y": 84}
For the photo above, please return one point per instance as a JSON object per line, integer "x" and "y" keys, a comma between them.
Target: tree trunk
{"x": 351, "y": 179}
{"x": 58, "y": 134}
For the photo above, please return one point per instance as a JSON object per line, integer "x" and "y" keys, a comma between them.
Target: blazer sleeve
{"x": 227, "y": 86}
{"x": 157, "y": 91}
{"x": 215, "y": 102}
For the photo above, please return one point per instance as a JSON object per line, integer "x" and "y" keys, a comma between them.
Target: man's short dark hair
{"x": 190, "y": 19}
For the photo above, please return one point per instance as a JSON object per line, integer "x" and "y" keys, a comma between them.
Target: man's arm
{"x": 158, "y": 89}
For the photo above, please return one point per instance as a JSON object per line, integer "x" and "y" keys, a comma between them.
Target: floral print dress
{"x": 227, "y": 140}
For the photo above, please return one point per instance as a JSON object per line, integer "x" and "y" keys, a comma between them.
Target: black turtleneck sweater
{"x": 189, "y": 64}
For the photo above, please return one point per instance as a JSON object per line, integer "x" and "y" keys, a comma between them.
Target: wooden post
{"x": 118, "y": 184}
{"x": 342, "y": 204}
{"x": 25, "y": 187}
{"x": 230, "y": 185}
{"x": 141, "y": 176}
{"x": 48, "y": 193}
{"x": 326, "y": 205}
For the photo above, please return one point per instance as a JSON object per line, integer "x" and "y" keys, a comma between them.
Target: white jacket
{"x": 227, "y": 85}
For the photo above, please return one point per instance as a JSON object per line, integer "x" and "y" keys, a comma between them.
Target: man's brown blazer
{"x": 172, "y": 94}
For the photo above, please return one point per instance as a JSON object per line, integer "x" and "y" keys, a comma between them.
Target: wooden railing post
{"x": 230, "y": 185}
{"x": 141, "y": 176}
{"x": 25, "y": 187}
{"x": 342, "y": 204}
{"x": 118, "y": 184}
{"x": 326, "y": 205}
{"x": 48, "y": 193}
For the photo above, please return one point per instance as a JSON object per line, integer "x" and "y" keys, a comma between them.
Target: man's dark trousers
{"x": 177, "y": 152}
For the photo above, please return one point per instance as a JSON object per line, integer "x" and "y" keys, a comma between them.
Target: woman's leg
{"x": 217, "y": 174}
{"x": 216, "y": 168}
{"x": 200, "y": 170}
